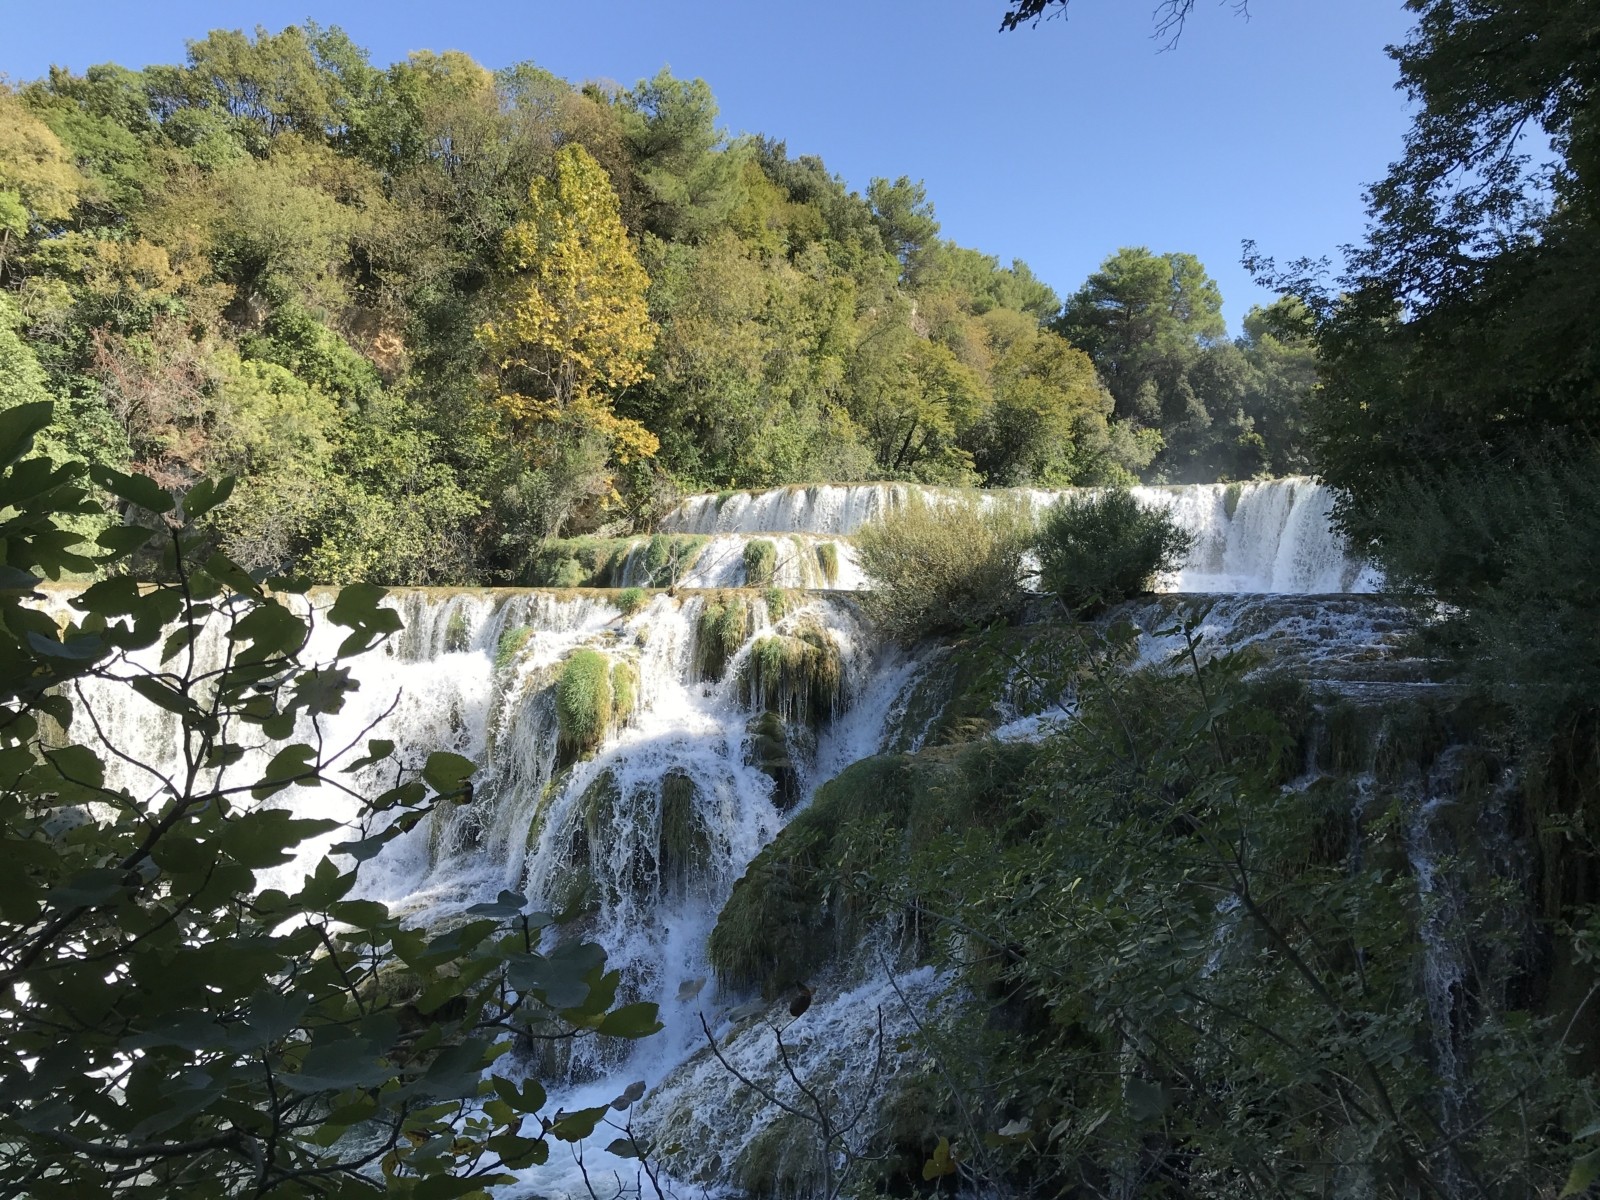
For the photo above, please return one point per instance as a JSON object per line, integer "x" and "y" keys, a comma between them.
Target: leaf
{"x": 13, "y": 580}
{"x": 135, "y": 489}
{"x": 287, "y": 765}
{"x": 335, "y": 1066}
{"x": 18, "y": 425}
{"x": 623, "y": 1148}
{"x": 942, "y": 1163}
{"x": 1146, "y": 1100}
{"x": 378, "y": 749}
{"x": 445, "y": 772}
{"x": 630, "y": 1096}
{"x": 575, "y": 1126}
{"x": 1584, "y": 1172}
{"x": 690, "y": 988}
{"x": 206, "y": 495}
{"x": 505, "y": 906}
{"x": 631, "y": 1021}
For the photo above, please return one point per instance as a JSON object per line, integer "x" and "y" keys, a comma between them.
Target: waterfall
{"x": 650, "y": 831}
{"x": 1268, "y": 536}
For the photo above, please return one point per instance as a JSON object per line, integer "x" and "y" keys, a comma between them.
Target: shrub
{"x": 631, "y": 600}
{"x": 584, "y": 701}
{"x": 944, "y": 567}
{"x": 1099, "y": 549}
{"x": 760, "y": 562}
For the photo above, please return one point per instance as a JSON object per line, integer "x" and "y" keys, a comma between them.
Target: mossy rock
{"x": 457, "y": 633}
{"x": 725, "y": 622}
{"x": 624, "y": 691}
{"x": 771, "y": 751}
{"x": 668, "y": 557}
{"x": 683, "y": 850}
{"x": 777, "y": 601}
{"x": 828, "y": 561}
{"x": 585, "y": 702}
{"x": 512, "y": 641}
{"x": 631, "y": 600}
{"x": 1230, "y": 498}
{"x": 798, "y": 905}
{"x": 760, "y": 563}
{"x": 799, "y": 675}
{"x": 782, "y": 1162}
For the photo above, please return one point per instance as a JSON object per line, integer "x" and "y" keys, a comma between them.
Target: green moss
{"x": 684, "y": 846}
{"x": 798, "y": 675}
{"x": 669, "y": 556}
{"x": 631, "y": 600}
{"x": 725, "y": 622}
{"x": 624, "y": 691}
{"x": 512, "y": 640}
{"x": 798, "y": 903}
{"x": 569, "y": 574}
{"x": 770, "y": 753}
{"x": 1230, "y": 498}
{"x": 457, "y": 633}
{"x": 760, "y": 562}
{"x": 828, "y": 561}
{"x": 777, "y": 603}
{"x": 782, "y": 1162}
{"x": 584, "y": 701}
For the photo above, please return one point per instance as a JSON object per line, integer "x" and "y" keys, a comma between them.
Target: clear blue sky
{"x": 1055, "y": 144}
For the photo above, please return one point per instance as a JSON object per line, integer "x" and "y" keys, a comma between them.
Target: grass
{"x": 760, "y": 562}
{"x": 798, "y": 675}
{"x": 512, "y": 640}
{"x": 724, "y": 623}
{"x": 828, "y": 561}
{"x": 631, "y": 600}
{"x": 584, "y": 701}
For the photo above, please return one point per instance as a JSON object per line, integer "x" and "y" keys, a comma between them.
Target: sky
{"x": 1054, "y": 144}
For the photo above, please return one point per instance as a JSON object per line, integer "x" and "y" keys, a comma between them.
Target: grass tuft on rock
{"x": 585, "y": 701}
{"x": 725, "y": 621}
{"x": 511, "y": 642}
{"x": 760, "y": 563}
{"x": 631, "y": 600}
{"x": 828, "y": 561}
{"x": 799, "y": 675}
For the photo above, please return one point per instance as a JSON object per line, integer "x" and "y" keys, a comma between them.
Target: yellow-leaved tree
{"x": 573, "y": 328}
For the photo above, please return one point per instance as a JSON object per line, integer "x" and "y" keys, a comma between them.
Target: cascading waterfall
{"x": 654, "y": 827}
{"x": 1267, "y": 536}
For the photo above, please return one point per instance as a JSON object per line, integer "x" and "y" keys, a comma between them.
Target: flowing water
{"x": 474, "y": 672}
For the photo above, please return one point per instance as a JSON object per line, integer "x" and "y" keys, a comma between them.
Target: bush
{"x": 944, "y": 567}
{"x": 1099, "y": 549}
{"x": 631, "y": 600}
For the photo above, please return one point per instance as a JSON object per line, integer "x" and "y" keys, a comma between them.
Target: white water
{"x": 523, "y": 830}
{"x": 1270, "y": 536}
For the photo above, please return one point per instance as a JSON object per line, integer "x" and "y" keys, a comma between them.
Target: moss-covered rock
{"x": 828, "y": 561}
{"x": 782, "y": 1162}
{"x": 624, "y": 691}
{"x": 798, "y": 674}
{"x": 584, "y": 701}
{"x": 760, "y": 562}
{"x": 631, "y": 600}
{"x": 457, "y": 633}
{"x": 724, "y": 624}
{"x": 512, "y": 641}
{"x": 771, "y": 751}
{"x": 797, "y": 904}
{"x": 684, "y": 844}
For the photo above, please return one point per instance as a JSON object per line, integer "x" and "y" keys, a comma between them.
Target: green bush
{"x": 584, "y": 701}
{"x": 1096, "y": 550}
{"x": 946, "y": 567}
{"x": 760, "y": 562}
{"x": 631, "y": 600}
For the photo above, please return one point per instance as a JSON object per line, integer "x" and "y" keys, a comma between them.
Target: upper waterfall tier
{"x": 1270, "y": 536}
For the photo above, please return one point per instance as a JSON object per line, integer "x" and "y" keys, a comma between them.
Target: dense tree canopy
{"x": 487, "y": 308}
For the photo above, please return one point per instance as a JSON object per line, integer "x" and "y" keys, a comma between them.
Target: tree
{"x": 691, "y": 177}
{"x": 171, "y": 1029}
{"x": 1169, "y": 15}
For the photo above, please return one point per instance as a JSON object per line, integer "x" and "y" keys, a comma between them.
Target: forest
{"x": 432, "y": 315}
{"x": 1018, "y": 871}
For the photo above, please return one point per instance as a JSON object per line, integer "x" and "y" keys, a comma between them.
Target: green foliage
{"x": 1098, "y": 549}
{"x": 798, "y": 674}
{"x": 944, "y": 566}
{"x": 585, "y": 701}
{"x": 803, "y": 899}
{"x": 724, "y": 623}
{"x": 511, "y": 642}
{"x": 631, "y": 600}
{"x": 828, "y": 561}
{"x": 760, "y": 562}
{"x": 171, "y": 1029}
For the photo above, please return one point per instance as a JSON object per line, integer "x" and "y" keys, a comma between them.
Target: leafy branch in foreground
{"x": 171, "y": 1029}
